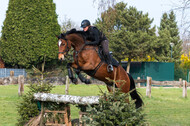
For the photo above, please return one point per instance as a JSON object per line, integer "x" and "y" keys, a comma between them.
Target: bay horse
{"x": 87, "y": 59}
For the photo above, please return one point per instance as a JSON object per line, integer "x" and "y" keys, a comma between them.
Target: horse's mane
{"x": 78, "y": 32}
{"x": 72, "y": 31}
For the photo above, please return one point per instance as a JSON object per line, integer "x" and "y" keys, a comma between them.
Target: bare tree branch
{"x": 183, "y": 7}
{"x": 68, "y": 24}
{"x": 104, "y": 4}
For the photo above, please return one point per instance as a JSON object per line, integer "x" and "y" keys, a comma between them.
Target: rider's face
{"x": 85, "y": 29}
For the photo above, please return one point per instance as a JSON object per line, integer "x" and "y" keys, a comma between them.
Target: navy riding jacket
{"x": 94, "y": 36}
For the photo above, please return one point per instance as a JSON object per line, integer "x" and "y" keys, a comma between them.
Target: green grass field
{"x": 165, "y": 108}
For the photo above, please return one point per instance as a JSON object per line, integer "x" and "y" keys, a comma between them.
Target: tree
{"x": 68, "y": 24}
{"x": 175, "y": 38}
{"x": 129, "y": 32}
{"x": 168, "y": 33}
{"x": 163, "y": 46}
{"x": 28, "y": 34}
{"x": 105, "y": 4}
{"x": 182, "y": 7}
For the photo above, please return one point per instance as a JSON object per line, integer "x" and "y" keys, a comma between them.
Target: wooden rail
{"x": 151, "y": 82}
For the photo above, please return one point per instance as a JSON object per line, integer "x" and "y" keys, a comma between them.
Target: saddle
{"x": 102, "y": 57}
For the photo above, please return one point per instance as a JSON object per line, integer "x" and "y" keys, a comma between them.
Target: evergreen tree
{"x": 113, "y": 110}
{"x": 175, "y": 38}
{"x": 129, "y": 32}
{"x": 168, "y": 33}
{"x": 28, "y": 34}
{"x": 163, "y": 46}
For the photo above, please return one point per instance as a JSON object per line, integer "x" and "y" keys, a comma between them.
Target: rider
{"x": 97, "y": 38}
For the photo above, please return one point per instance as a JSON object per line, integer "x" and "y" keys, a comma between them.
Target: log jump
{"x": 66, "y": 100}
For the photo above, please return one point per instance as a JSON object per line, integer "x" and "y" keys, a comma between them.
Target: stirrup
{"x": 110, "y": 68}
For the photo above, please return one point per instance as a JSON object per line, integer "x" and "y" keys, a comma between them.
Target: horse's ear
{"x": 56, "y": 36}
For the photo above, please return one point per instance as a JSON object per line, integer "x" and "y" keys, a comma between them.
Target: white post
{"x": 21, "y": 85}
{"x": 67, "y": 85}
{"x": 181, "y": 82}
{"x": 184, "y": 89}
{"x": 138, "y": 84}
{"x": 11, "y": 77}
{"x": 148, "y": 87}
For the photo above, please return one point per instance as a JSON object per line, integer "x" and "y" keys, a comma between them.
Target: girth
{"x": 89, "y": 72}
{"x": 93, "y": 72}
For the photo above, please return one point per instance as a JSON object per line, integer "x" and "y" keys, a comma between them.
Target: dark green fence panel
{"x": 160, "y": 71}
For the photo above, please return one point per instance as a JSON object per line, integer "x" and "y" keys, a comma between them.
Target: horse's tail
{"x": 134, "y": 94}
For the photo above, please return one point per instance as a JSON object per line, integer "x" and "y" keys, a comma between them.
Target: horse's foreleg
{"x": 70, "y": 73}
{"x": 82, "y": 78}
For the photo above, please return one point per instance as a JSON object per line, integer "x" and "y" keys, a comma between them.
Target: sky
{"x": 77, "y": 10}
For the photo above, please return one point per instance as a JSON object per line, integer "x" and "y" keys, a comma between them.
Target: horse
{"x": 87, "y": 59}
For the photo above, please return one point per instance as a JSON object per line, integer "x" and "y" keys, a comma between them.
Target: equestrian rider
{"x": 97, "y": 38}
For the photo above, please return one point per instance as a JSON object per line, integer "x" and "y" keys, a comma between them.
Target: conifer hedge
{"x": 29, "y": 32}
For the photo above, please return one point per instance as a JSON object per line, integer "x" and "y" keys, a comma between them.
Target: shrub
{"x": 113, "y": 110}
{"x": 29, "y": 108}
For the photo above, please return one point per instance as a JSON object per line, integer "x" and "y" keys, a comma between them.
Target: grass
{"x": 166, "y": 107}
{"x": 8, "y": 101}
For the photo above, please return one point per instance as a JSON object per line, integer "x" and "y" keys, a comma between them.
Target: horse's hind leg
{"x": 123, "y": 80}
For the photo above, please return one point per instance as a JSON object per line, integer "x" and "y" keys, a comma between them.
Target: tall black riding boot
{"x": 108, "y": 60}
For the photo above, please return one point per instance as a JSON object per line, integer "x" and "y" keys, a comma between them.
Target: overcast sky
{"x": 77, "y": 10}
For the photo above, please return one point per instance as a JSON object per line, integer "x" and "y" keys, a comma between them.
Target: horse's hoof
{"x": 87, "y": 81}
{"x": 74, "y": 80}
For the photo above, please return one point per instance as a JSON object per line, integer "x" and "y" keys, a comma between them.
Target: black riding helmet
{"x": 85, "y": 23}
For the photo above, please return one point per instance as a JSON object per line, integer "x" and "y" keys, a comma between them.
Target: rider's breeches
{"x": 105, "y": 45}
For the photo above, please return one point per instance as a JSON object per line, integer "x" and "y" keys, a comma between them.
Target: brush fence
{"x": 65, "y": 119}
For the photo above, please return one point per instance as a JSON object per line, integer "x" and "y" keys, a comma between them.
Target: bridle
{"x": 67, "y": 48}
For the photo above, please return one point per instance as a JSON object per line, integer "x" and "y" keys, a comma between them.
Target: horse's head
{"x": 72, "y": 37}
{"x": 64, "y": 46}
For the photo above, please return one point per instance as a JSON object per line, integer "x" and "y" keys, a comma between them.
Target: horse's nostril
{"x": 61, "y": 57}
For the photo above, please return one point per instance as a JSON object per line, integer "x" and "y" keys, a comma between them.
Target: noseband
{"x": 67, "y": 48}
